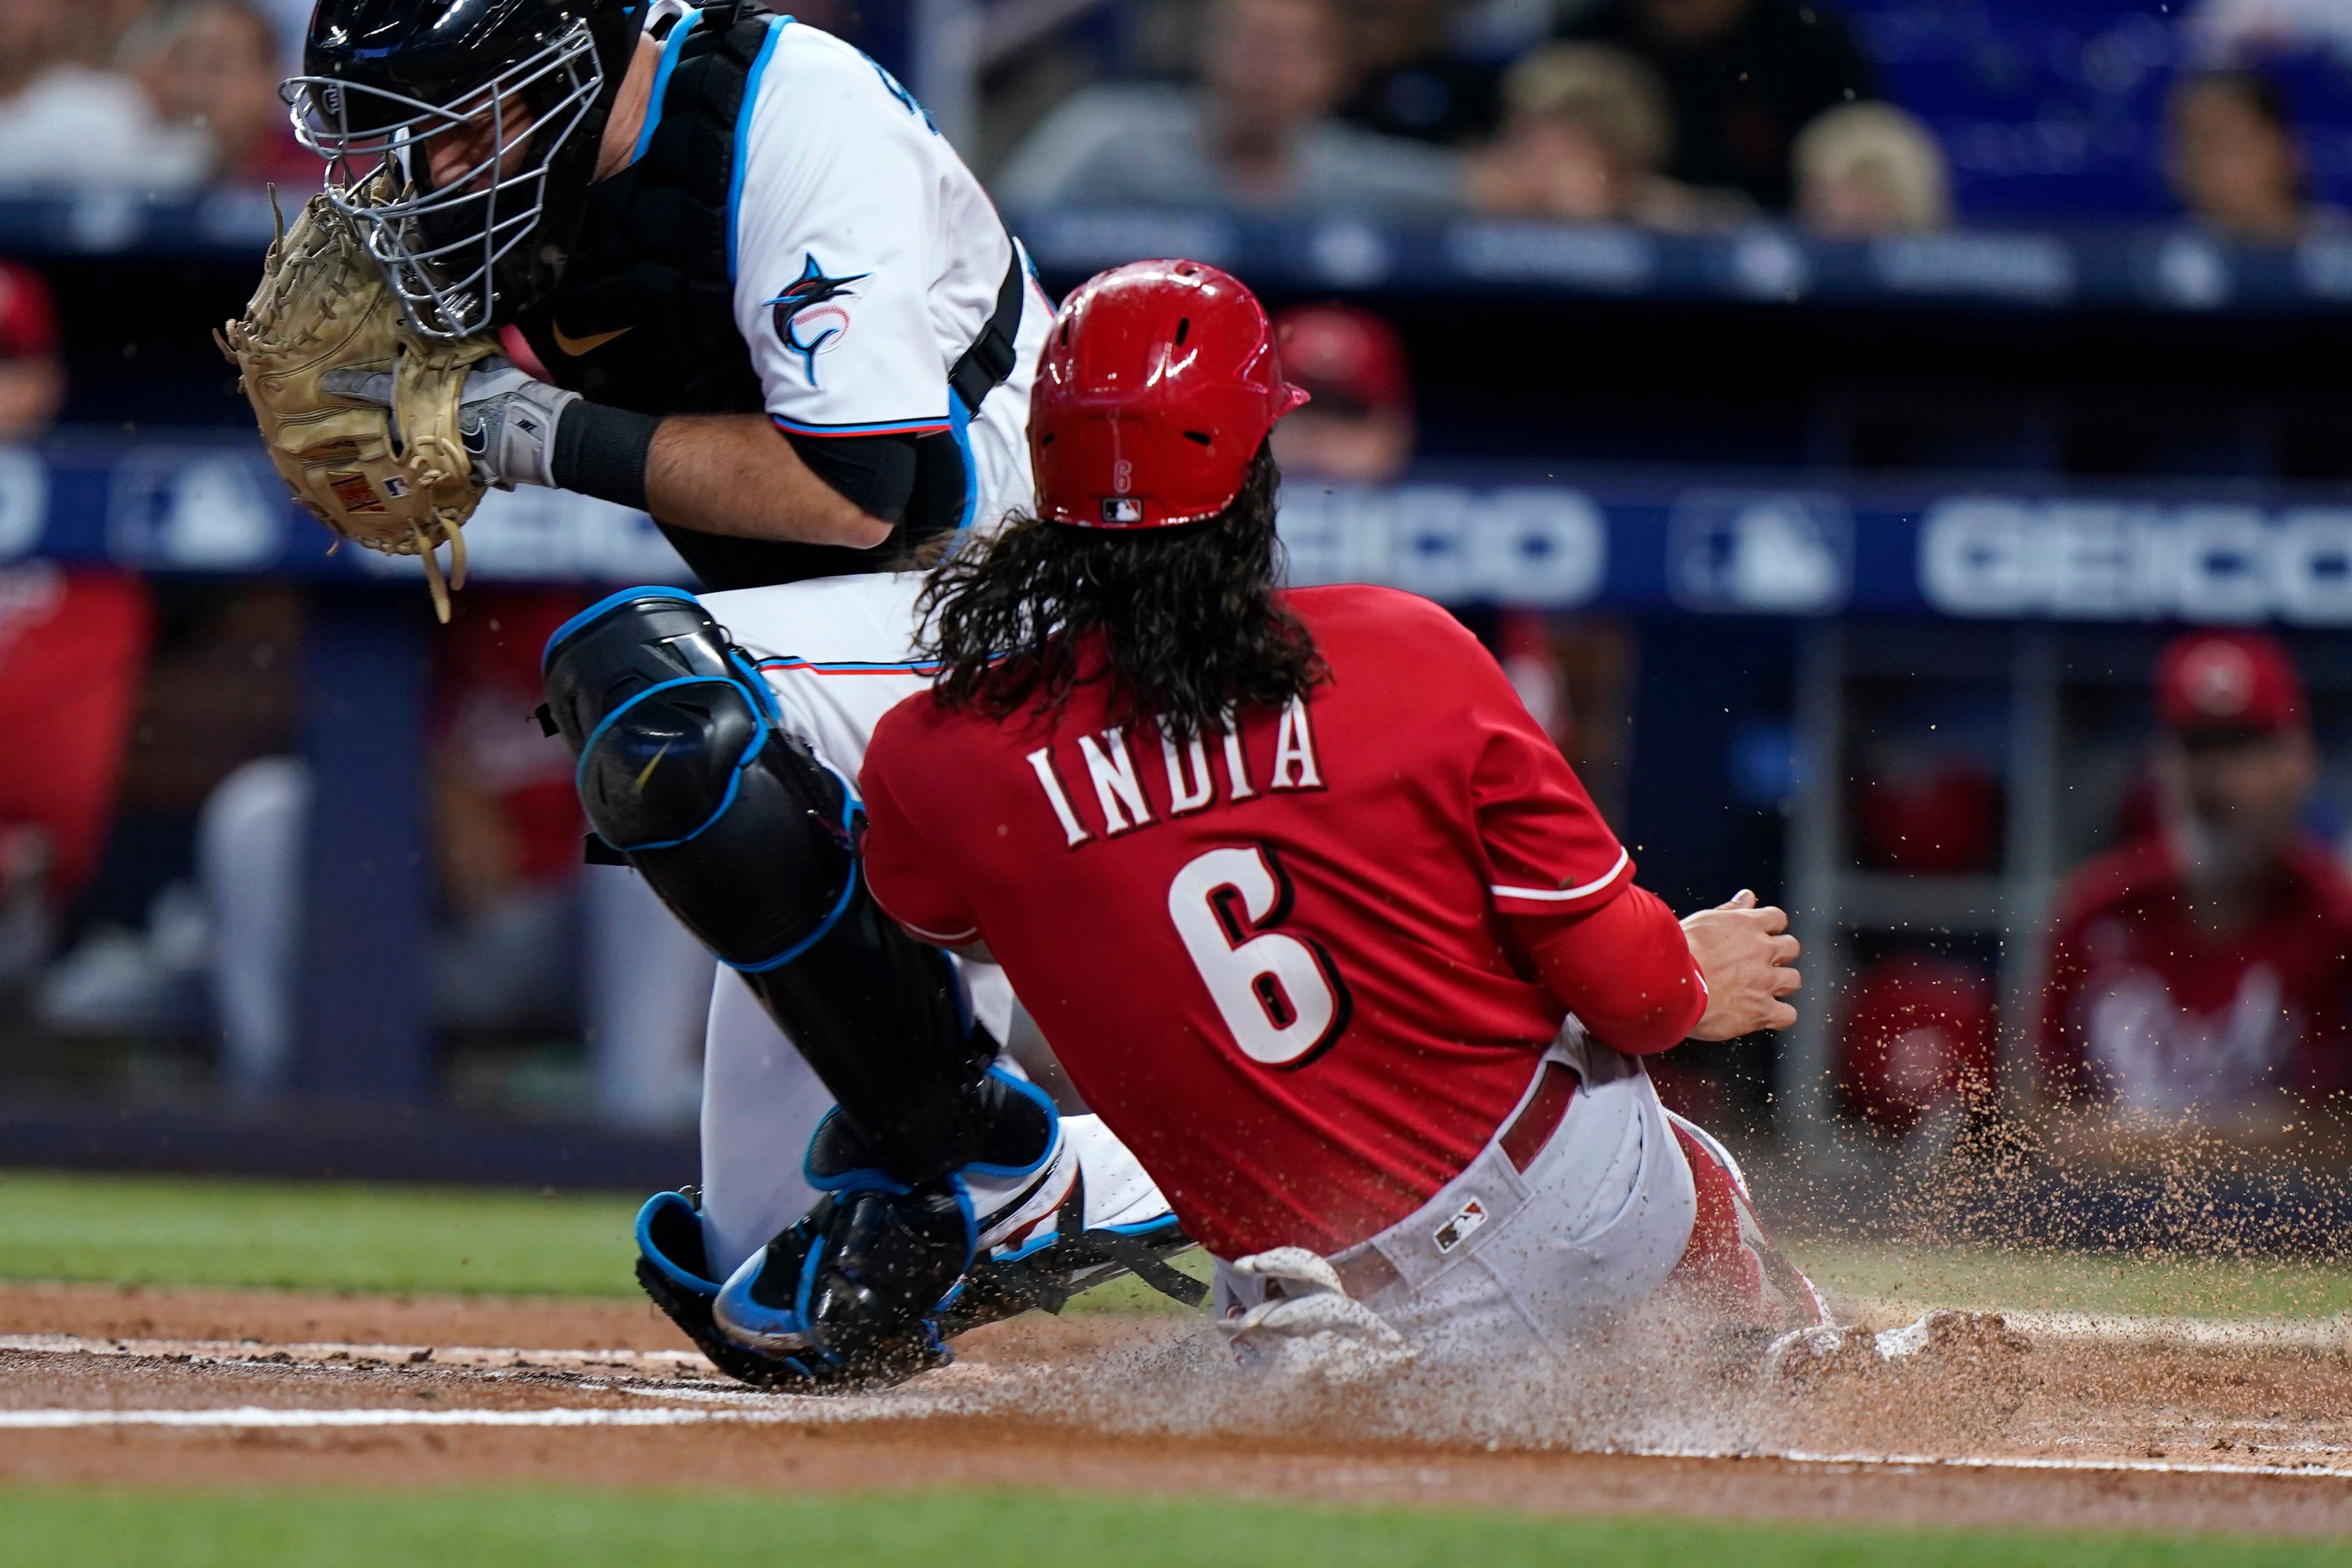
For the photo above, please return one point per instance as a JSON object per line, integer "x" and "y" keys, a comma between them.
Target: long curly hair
{"x": 1187, "y": 617}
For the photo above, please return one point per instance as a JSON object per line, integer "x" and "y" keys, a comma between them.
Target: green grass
{"x": 325, "y": 1236}
{"x": 987, "y": 1530}
{"x": 2060, "y": 1282}
{"x": 337, "y": 1236}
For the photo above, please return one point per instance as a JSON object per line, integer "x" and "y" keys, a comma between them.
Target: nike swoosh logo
{"x": 654, "y": 764}
{"x": 579, "y": 348}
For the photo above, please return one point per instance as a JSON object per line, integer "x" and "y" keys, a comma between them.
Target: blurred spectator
{"x": 526, "y": 938}
{"x": 64, "y": 123}
{"x": 73, "y": 646}
{"x": 1869, "y": 169}
{"x": 1358, "y": 428}
{"x": 73, "y": 650}
{"x": 212, "y": 65}
{"x": 1412, "y": 82}
{"x": 1257, "y": 133}
{"x": 2207, "y": 966}
{"x": 1588, "y": 130}
{"x": 289, "y": 22}
{"x": 2235, "y": 159}
{"x": 2224, "y": 30}
{"x": 216, "y": 689}
{"x": 95, "y": 29}
{"x": 32, "y": 370}
{"x": 1745, "y": 77}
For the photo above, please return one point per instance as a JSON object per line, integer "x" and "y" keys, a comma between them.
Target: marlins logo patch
{"x": 808, "y": 316}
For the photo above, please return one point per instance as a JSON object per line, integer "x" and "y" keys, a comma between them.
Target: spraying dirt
{"x": 2145, "y": 1426}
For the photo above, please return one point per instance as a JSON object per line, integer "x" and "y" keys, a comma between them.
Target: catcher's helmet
{"x": 384, "y": 77}
{"x": 1157, "y": 389}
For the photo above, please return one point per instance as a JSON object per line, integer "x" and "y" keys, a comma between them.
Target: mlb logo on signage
{"x": 1761, "y": 552}
{"x": 1120, "y": 509}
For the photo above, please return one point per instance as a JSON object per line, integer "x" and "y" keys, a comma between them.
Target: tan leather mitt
{"x": 397, "y": 479}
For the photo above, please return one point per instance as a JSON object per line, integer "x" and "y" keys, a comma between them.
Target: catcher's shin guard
{"x": 685, "y": 769}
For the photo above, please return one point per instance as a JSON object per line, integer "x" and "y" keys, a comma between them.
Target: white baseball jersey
{"x": 867, "y": 260}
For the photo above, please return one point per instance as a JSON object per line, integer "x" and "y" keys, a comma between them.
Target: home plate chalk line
{"x": 943, "y": 1393}
{"x": 2306, "y": 1335}
{"x": 794, "y": 1411}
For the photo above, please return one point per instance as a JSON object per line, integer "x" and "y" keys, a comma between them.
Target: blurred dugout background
{"x": 1828, "y": 411}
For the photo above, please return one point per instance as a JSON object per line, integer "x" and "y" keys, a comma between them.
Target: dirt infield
{"x": 2101, "y": 1426}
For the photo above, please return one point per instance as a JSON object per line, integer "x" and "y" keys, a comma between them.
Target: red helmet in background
{"x": 1346, "y": 358}
{"x": 1157, "y": 389}
{"x": 2228, "y": 680}
{"x": 28, "y": 314}
{"x": 1920, "y": 1032}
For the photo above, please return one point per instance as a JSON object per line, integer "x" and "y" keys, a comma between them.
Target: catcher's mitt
{"x": 396, "y": 480}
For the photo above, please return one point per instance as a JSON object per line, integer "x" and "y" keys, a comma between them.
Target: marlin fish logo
{"x": 812, "y": 288}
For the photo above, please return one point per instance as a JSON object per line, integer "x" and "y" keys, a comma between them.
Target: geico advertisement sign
{"x": 2081, "y": 560}
{"x": 1535, "y": 545}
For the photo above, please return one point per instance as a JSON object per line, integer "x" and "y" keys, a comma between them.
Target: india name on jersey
{"x": 1270, "y": 957}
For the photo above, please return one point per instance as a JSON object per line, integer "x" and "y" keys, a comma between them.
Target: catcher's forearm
{"x": 736, "y": 474}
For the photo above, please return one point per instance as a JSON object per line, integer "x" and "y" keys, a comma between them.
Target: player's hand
{"x": 1745, "y": 953}
{"x": 506, "y": 416}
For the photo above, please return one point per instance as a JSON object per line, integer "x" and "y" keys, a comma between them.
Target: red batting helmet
{"x": 1157, "y": 389}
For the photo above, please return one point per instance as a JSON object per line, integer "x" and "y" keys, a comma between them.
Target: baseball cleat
{"x": 674, "y": 1271}
{"x": 1105, "y": 1218}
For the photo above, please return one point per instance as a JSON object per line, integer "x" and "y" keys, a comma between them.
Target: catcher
{"x": 774, "y": 309}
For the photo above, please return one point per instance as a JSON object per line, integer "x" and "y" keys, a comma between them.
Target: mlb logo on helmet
{"x": 1121, "y": 512}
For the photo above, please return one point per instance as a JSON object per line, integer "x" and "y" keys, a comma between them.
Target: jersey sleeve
{"x": 1624, "y": 970}
{"x": 907, "y": 878}
{"x": 1546, "y": 850}
{"x": 835, "y": 211}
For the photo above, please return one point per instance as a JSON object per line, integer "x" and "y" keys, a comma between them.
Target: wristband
{"x": 604, "y": 452}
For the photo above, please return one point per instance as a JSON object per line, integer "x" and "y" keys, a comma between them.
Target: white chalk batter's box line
{"x": 2325, "y": 1335}
{"x": 330, "y": 1354}
{"x": 253, "y": 1418}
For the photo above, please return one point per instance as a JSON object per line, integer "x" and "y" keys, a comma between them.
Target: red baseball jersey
{"x": 2150, "y": 1009}
{"x": 1271, "y": 959}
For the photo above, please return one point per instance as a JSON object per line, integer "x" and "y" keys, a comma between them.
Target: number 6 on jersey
{"x": 1279, "y": 995}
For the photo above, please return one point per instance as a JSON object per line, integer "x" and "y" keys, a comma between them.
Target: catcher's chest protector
{"x": 644, "y": 318}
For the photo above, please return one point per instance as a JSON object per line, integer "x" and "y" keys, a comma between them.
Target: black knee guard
{"x": 685, "y": 769}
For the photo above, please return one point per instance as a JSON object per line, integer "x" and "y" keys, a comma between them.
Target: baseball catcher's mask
{"x": 531, "y": 83}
